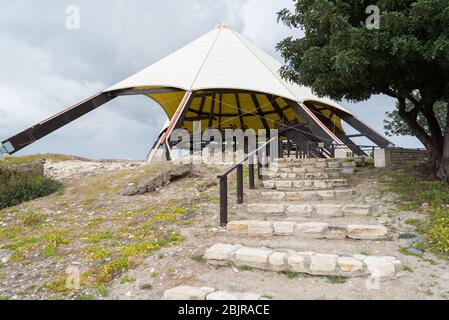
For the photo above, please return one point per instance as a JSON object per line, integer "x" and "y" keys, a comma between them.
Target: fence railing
{"x": 261, "y": 153}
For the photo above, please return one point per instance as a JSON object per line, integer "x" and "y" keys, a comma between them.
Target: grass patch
{"x": 413, "y": 222}
{"x": 414, "y": 189}
{"x": 146, "y": 286}
{"x": 199, "y": 258}
{"x": 32, "y": 218}
{"x": 289, "y": 274}
{"x": 407, "y": 268}
{"x": 407, "y": 235}
{"x": 244, "y": 268}
{"x": 127, "y": 280}
{"x": 337, "y": 279}
{"x": 18, "y": 187}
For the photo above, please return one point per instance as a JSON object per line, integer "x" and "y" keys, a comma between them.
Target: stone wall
{"x": 395, "y": 157}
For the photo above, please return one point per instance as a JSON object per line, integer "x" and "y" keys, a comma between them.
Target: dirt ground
{"x": 136, "y": 247}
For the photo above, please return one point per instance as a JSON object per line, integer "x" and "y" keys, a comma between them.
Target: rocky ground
{"x": 137, "y": 247}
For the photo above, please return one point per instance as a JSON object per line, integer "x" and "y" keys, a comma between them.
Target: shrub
{"x": 18, "y": 187}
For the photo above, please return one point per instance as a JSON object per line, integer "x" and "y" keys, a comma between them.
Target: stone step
{"x": 325, "y": 194}
{"x": 206, "y": 293}
{"x": 343, "y": 170}
{"x": 378, "y": 267}
{"x": 271, "y": 175}
{"x": 308, "y": 230}
{"x": 316, "y": 164}
{"x": 309, "y": 209}
{"x": 305, "y": 184}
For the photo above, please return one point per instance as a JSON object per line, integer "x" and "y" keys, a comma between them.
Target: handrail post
{"x": 240, "y": 184}
{"x": 223, "y": 200}
{"x": 251, "y": 174}
{"x": 259, "y": 169}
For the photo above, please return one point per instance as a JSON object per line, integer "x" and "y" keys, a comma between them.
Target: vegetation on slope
{"x": 417, "y": 192}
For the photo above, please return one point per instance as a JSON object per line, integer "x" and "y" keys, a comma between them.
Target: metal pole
{"x": 223, "y": 201}
{"x": 259, "y": 169}
{"x": 251, "y": 174}
{"x": 240, "y": 184}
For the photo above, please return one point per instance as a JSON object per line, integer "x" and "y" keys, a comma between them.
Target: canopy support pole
{"x": 162, "y": 150}
{"x": 44, "y": 128}
{"x": 318, "y": 129}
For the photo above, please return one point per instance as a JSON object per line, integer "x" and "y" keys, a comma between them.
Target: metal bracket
{"x": 6, "y": 148}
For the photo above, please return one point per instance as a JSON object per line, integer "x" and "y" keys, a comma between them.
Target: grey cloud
{"x": 49, "y": 67}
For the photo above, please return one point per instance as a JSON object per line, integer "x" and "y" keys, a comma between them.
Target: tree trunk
{"x": 443, "y": 171}
{"x": 431, "y": 144}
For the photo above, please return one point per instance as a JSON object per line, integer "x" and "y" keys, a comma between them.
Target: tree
{"x": 405, "y": 58}
{"x": 395, "y": 126}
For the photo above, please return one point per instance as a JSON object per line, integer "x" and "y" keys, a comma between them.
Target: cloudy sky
{"x": 46, "y": 68}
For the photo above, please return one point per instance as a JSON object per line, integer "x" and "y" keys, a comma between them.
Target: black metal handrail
{"x": 223, "y": 178}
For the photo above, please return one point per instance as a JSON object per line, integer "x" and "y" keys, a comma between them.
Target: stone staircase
{"x": 304, "y": 220}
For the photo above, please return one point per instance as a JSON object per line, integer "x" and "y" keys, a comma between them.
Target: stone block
{"x": 300, "y": 209}
{"x": 312, "y": 229}
{"x": 355, "y": 209}
{"x": 239, "y": 227}
{"x": 350, "y": 265}
{"x": 268, "y": 184}
{"x": 252, "y": 257}
{"x": 277, "y": 261}
{"x": 220, "y": 253}
{"x": 323, "y": 264}
{"x": 283, "y": 228}
{"x": 326, "y": 194}
{"x": 298, "y": 263}
{"x": 344, "y": 194}
{"x": 260, "y": 228}
{"x": 380, "y": 268}
{"x": 275, "y": 196}
{"x": 283, "y": 184}
{"x": 366, "y": 232}
{"x": 328, "y": 210}
{"x": 265, "y": 208}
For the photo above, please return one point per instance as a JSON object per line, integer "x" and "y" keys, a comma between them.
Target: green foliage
{"x": 289, "y": 274}
{"x": 437, "y": 231}
{"x": 127, "y": 280}
{"x": 395, "y": 126}
{"x": 146, "y": 286}
{"x": 340, "y": 57}
{"x": 18, "y": 187}
{"x": 32, "y": 218}
{"x": 337, "y": 279}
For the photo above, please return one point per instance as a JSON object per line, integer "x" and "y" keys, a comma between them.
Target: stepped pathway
{"x": 306, "y": 220}
{"x": 298, "y": 241}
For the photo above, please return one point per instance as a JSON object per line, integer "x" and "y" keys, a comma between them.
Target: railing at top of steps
{"x": 260, "y": 155}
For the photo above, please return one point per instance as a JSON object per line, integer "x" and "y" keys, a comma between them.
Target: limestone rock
{"x": 366, "y": 232}
{"x": 260, "y": 228}
{"x": 220, "y": 252}
{"x": 265, "y": 208}
{"x": 349, "y": 264}
{"x": 323, "y": 264}
{"x": 239, "y": 227}
{"x": 252, "y": 257}
{"x": 283, "y": 228}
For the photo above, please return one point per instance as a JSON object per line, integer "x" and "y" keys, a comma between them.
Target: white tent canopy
{"x": 224, "y": 81}
{"x": 221, "y": 59}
